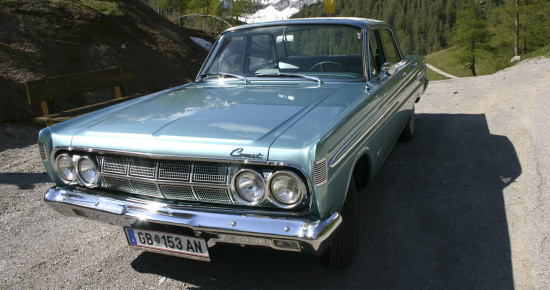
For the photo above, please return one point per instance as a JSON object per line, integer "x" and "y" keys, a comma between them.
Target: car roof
{"x": 354, "y": 21}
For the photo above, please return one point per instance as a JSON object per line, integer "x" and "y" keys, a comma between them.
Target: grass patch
{"x": 433, "y": 76}
{"x": 542, "y": 52}
{"x": 105, "y": 7}
{"x": 445, "y": 61}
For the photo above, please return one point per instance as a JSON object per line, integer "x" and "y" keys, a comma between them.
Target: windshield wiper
{"x": 224, "y": 75}
{"x": 318, "y": 80}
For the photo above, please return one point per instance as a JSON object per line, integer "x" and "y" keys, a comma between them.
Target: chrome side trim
{"x": 357, "y": 137}
{"x": 313, "y": 235}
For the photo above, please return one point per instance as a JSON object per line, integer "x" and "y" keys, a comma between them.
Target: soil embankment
{"x": 40, "y": 39}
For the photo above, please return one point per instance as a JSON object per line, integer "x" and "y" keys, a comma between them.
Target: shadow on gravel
{"x": 433, "y": 218}
{"x": 24, "y": 180}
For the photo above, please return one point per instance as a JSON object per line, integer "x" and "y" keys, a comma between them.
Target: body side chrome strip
{"x": 356, "y": 138}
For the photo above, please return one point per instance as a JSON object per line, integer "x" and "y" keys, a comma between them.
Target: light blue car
{"x": 285, "y": 122}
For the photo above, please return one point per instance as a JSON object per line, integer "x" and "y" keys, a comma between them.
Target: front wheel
{"x": 343, "y": 249}
{"x": 408, "y": 130}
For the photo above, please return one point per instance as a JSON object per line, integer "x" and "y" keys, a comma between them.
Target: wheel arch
{"x": 362, "y": 171}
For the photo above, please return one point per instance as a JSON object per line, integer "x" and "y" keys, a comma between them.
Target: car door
{"x": 393, "y": 72}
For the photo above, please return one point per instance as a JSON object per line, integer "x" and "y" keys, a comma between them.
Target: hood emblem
{"x": 239, "y": 153}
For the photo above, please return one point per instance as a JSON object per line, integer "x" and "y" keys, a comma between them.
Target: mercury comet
{"x": 270, "y": 146}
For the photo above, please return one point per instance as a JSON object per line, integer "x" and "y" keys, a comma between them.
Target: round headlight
{"x": 250, "y": 187}
{"x": 87, "y": 171}
{"x": 65, "y": 168}
{"x": 287, "y": 189}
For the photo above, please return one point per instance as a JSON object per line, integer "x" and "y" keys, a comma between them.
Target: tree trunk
{"x": 473, "y": 66}
{"x": 516, "y": 46}
{"x": 524, "y": 45}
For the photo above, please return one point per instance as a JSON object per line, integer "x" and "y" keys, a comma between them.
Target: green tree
{"x": 241, "y": 7}
{"x": 527, "y": 21}
{"x": 470, "y": 36}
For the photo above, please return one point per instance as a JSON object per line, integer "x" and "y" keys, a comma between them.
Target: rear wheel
{"x": 408, "y": 130}
{"x": 343, "y": 249}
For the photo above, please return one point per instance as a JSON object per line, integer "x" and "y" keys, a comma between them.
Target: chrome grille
{"x": 146, "y": 188}
{"x": 213, "y": 194}
{"x": 178, "y": 192}
{"x": 176, "y": 170}
{"x": 210, "y": 172}
{"x": 115, "y": 164}
{"x": 202, "y": 182}
{"x": 118, "y": 184}
{"x": 320, "y": 172}
{"x": 42, "y": 150}
{"x": 171, "y": 179}
{"x": 142, "y": 167}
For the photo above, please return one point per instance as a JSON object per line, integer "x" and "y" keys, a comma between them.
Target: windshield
{"x": 321, "y": 51}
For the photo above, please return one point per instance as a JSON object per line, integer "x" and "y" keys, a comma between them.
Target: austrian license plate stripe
{"x": 184, "y": 245}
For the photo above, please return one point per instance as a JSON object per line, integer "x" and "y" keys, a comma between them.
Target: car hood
{"x": 201, "y": 120}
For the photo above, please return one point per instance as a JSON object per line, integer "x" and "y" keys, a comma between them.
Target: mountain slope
{"x": 50, "y": 38}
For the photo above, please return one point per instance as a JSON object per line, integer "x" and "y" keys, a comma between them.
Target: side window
{"x": 391, "y": 54}
{"x": 262, "y": 51}
{"x": 375, "y": 54}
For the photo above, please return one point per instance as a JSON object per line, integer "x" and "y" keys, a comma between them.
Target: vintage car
{"x": 285, "y": 122}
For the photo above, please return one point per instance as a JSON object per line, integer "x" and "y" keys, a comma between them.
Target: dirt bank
{"x": 52, "y": 38}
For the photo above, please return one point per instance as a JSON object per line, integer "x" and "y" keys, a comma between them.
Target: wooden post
{"x": 119, "y": 91}
{"x": 47, "y": 109}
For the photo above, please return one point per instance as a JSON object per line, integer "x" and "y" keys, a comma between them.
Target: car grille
{"x": 169, "y": 179}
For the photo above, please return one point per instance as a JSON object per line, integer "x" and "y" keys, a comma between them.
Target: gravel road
{"x": 463, "y": 205}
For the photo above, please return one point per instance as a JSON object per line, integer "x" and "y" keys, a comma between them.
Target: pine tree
{"x": 471, "y": 35}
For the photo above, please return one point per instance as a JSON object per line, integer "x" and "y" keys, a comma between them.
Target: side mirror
{"x": 285, "y": 38}
{"x": 388, "y": 68}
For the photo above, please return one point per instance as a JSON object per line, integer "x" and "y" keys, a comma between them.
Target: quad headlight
{"x": 250, "y": 187}
{"x": 283, "y": 189}
{"x": 286, "y": 188}
{"x": 77, "y": 169}
{"x": 87, "y": 171}
{"x": 65, "y": 168}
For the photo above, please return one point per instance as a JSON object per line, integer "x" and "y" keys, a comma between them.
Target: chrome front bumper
{"x": 282, "y": 233}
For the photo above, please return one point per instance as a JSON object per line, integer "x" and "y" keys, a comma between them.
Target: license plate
{"x": 166, "y": 242}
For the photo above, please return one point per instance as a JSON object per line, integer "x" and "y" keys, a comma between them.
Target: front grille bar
{"x": 171, "y": 179}
{"x": 184, "y": 171}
